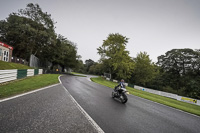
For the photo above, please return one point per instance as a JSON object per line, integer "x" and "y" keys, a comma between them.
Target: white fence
{"x": 170, "y": 95}
{"x": 8, "y": 75}
{"x": 30, "y": 72}
{"x": 40, "y": 71}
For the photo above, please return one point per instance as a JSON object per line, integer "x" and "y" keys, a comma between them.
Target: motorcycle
{"x": 120, "y": 93}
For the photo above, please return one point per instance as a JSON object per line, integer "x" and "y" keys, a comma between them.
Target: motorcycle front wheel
{"x": 124, "y": 99}
{"x": 113, "y": 95}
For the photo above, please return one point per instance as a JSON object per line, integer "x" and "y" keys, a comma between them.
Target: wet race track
{"x": 53, "y": 110}
{"x": 137, "y": 115}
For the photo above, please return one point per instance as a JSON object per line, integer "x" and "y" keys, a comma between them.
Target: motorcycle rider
{"x": 121, "y": 84}
{"x": 120, "y": 92}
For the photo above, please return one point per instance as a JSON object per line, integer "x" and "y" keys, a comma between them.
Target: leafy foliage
{"x": 88, "y": 64}
{"x": 144, "y": 71}
{"x": 115, "y": 56}
{"x": 35, "y": 13}
{"x": 181, "y": 70}
{"x": 30, "y": 31}
{"x": 180, "y": 61}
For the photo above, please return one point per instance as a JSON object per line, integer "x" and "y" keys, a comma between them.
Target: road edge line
{"x": 33, "y": 91}
{"x": 92, "y": 122}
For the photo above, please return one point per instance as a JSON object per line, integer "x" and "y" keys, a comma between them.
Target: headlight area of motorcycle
{"x": 127, "y": 92}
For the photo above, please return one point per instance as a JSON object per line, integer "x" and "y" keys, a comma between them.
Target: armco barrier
{"x": 189, "y": 100}
{"x": 21, "y": 73}
{"x": 36, "y": 72}
{"x": 8, "y": 75}
{"x": 13, "y": 74}
{"x": 40, "y": 71}
{"x": 108, "y": 79}
{"x": 30, "y": 72}
{"x": 170, "y": 95}
{"x": 115, "y": 81}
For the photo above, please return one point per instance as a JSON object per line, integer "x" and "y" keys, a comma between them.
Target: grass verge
{"x": 78, "y": 74}
{"x": 27, "y": 84}
{"x": 191, "y": 108}
{"x": 9, "y": 65}
{"x": 75, "y": 73}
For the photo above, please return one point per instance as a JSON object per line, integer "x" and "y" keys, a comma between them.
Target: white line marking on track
{"x": 20, "y": 95}
{"x": 94, "y": 124}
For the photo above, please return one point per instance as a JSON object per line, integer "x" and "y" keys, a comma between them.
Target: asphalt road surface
{"x": 51, "y": 110}
{"x": 136, "y": 116}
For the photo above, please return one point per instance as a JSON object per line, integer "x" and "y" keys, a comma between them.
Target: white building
{"x": 5, "y": 52}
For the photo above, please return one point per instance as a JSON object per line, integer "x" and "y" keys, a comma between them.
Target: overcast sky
{"x": 154, "y": 26}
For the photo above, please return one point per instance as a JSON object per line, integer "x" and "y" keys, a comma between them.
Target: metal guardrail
{"x": 13, "y": 74}
{"x": 170, "y": 95}
{"x": 8, "y": 75}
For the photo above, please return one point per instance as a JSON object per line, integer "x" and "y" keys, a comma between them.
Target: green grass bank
{"x": 75, "y": 73}
{"x": 78, "y": 74}
{"x": 191, "y": 108}
{"x": 9, "y": 65}
{"x": 27, "y": 84}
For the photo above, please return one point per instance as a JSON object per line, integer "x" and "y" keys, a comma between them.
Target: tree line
{"x": 32, "y": 31}
{"x": 177, "y": 71}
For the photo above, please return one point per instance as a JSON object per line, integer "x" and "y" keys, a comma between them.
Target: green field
{"x": 9, "y": 65}
{"x": 191, "y": 108}
{"x": 27, "y": 84}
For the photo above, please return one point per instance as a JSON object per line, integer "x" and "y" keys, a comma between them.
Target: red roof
{"x": 6, "y": 45}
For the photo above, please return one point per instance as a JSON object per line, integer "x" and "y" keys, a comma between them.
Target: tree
{"x": 65, "y": 53}
{"x": 88, "y": 64}
{"x": 180, "y": 61}
{"x": 96, "y": 69}
{"x": 181, "y": 69}
{"x": 30, "y": 31}
{"x": 144, "y": 71}
{"x": 79, "y": 67}
{"x": 114, "y": 55}
{"x": 45, "y": 37}
{"x": 35, "y": 13}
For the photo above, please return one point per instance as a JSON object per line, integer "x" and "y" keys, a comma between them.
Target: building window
{"x": 0, "y": 51}
{"x": 6, "y": 56}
